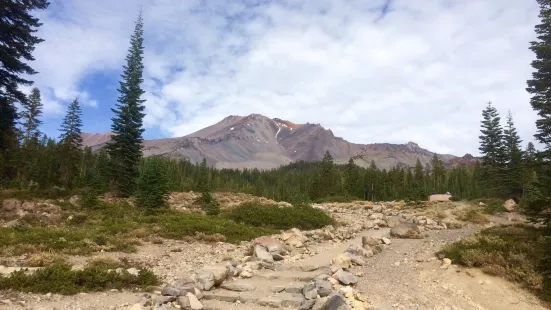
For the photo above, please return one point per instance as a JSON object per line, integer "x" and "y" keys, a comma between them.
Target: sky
{"x": 369, "y": 70}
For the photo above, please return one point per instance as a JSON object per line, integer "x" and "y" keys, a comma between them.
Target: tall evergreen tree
{"x": 491, "y": 141}
{"x": 327, "y": 176}
{"x": 352, "y": 179}
{"x": 125, "y": 147}
{"x": 418, "y": 181}
{"x": 17, "y": 43}
{"x": 494, "y": 152}
{"x": 71, "y": 144}
{"x": 514, "y": 172}
{"x": 29, "y": 156}
{"x": 32, "y": 109}
{"x": 540, "y": 88}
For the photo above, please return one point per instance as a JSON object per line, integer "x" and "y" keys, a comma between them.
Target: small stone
{"x": 386, "y": 240}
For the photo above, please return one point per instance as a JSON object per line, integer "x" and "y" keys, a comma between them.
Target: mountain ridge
{"x": 256, "y": 141}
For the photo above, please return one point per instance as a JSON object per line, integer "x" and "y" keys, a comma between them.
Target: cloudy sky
{"x": 370, "y": 70}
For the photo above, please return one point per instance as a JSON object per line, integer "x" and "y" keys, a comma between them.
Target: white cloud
{"x": 422, "y": 73}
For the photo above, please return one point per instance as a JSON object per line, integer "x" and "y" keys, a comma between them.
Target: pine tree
{"x": 540, "y": 87}
{"x": 152, "y": 190}
{"x": 32, "y": 109}
{"x": 514, "y": 172}
{"x": 203, "y": 177}
{"x": 71, "y": 144}
{"x": 17, "y": 43}
{"x": 493, "y": 150}
{"x": 29, "y": 159}
{"x": 125, "y": 147}
{"x": 418, "y": 181}
{"x": 352, "y": 179}
{"x": 327, "y": 176}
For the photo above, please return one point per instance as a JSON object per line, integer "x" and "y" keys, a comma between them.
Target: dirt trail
{"x": 405, "y": 275}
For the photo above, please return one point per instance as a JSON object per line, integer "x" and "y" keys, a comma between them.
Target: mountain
{"x": 256, "y": 141}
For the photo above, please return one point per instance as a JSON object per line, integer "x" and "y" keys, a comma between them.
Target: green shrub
{"x": 178, "y": 226}
{"x": 302, "y": 217}
{"x": 494, "y": 206}
{"x": 453, "y": 198}
{"x": 61, "y": 279}
{"x": 513, "y": 252}
{"x": 89, "y": 200}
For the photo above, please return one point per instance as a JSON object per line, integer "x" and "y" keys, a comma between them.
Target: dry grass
{"x": 471, "y": 214}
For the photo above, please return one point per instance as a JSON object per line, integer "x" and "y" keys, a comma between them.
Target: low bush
{"x": 302, "y": 217}
{"x": 453, "y": 198}
{"x": 513, "y": 252}
{"x": 62, "y": 279}
{"x": 473, "y": 215}
{"x": 494, "y": 206}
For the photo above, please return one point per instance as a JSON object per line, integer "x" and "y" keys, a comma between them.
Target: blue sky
{"x": 372, "y": 71}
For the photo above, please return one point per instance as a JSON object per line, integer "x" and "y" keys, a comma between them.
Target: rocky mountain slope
{"x": 256, "y": 141}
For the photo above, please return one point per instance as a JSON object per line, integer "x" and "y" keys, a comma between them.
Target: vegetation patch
{"x": 60, "y": 278}
{"x": 513, "y": 252}
{"x": 473, "y": 215}
{"x": 302, "y": 216}
{"x": 120, "y": 227}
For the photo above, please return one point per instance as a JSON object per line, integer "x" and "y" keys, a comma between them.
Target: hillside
{"x": 256, "y": 141}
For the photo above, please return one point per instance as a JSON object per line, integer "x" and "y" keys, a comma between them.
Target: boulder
{"x": 205, "y": 280}
{"x": 405, "y": 230}
{"x": 220, "y": 273}
{"x": 310, "y": 291}
{"x": 345, "y": 277}
{"x": 324, "y": 287}
{"x": 272, "y": 245}
{"x": 11, "y": 204}
{"x": 262, "y": 254}
{"x": 509, "y": 205}
{"x": 336, "y": 302}
{"x": 371, "y": 241}
{"x": 342, "y": 260}
{"x": 392, "y": 221}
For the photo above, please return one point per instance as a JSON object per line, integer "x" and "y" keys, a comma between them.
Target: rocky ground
{"x": 379, "y": 256}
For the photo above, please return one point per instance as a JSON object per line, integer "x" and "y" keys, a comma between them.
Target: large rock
{"x": 262, "y": 254}
{"x": 371, "y": 241}
{"x": 345, "y": 277}
{"x": 405, "y": 230}
{"x": 294, "y": 237}
{"x": 342, "y": 260}
{"x": 205, "y": 280}
{"x": 190, "y": 301}
{"x": 271, "y": 244}
{"x": 392, "y": 221}
{"x": 220, "y": 273}
{"x": 11, "y": 204}
{"x": 509, "y": 205}
{"x": 324, "y": 287}
{"x": 336, "y": 302}
{"x": 310, "y": 291}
